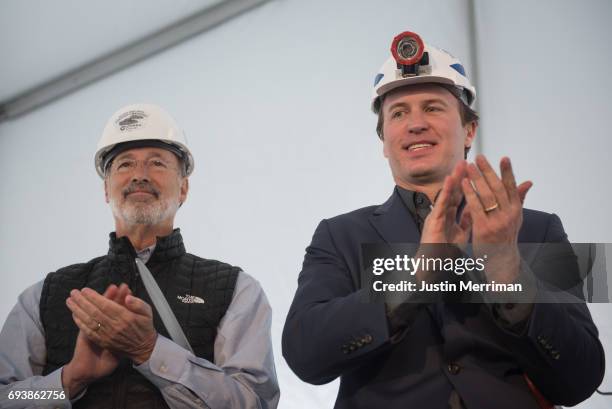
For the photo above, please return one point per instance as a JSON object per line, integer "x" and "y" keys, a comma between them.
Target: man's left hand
{"x": 496, "y": 208}
{"x": 126, "y": 330}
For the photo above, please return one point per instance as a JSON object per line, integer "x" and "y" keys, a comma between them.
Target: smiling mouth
{"x": 141, "y": 192}
{"x": 419, "y": 146}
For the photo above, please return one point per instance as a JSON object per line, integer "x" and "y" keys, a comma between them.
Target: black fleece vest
{"x": 177, "y": 273}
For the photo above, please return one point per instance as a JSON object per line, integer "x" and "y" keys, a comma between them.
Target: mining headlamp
{"x": 408, "y": 50}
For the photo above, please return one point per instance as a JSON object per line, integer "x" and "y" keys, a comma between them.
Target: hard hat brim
{"x": 413, "y": 81}
{"x": 108, "y": 157}
{"x": 104, "y": 157}
{"x": 386, "y": 88}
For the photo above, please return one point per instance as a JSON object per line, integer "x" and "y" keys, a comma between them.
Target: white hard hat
{"x": 415, "y": 62}
{"x": 141, "y": 125}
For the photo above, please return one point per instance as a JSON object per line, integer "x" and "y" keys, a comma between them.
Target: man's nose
{"x": 417, "y": 123}
{"x": 141, "y": 172}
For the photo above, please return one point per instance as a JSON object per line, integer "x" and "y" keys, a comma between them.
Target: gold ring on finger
{"x": 491, "y": 208}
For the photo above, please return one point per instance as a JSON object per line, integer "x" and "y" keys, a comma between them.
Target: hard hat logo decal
{"x": 130, "y": 120}
{"x": 378, "y": 77}
{"x": 459, "y": 68}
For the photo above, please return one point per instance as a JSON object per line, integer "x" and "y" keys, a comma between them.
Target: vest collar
{"x": 166, "y": 248}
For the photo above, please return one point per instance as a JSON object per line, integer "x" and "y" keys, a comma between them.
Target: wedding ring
{"x": 491, "y": 208}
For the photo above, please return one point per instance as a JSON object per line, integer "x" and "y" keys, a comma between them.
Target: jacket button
{"x": 454, "y": 368}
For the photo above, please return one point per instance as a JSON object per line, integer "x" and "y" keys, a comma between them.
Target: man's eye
{"x": 123, "y": 165}
{"x": 397, "y": 114}
{"x": 158, "y": 163}
{"x": 433, "y": 108}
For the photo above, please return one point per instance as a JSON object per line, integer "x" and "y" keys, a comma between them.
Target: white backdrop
{"x": 275, "y": 105}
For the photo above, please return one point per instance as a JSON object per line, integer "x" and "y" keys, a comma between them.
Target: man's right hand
{"x": 444, "y": 235}
{"x": 441, "y": 224}
{"x": 89, "y": 361}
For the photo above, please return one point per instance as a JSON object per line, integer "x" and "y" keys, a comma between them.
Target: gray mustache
{"x": 140, "y": 186}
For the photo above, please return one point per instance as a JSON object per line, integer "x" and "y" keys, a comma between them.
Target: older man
{"x": 89, "y": 332}
{"x": 440, "y": 354}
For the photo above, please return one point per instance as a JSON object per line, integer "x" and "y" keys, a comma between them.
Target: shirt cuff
{"x": 58, "y": 373}
{"x": 168, "y": 363}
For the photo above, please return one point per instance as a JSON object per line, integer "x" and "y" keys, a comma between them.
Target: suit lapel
{"x": 394, "y": 223}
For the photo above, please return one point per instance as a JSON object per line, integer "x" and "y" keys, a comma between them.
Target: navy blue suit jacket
{"x": 448, "y": 346}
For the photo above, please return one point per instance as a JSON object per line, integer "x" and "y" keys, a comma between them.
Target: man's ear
{"x": 470, "y": 133}
{"x": 184, "y": 190}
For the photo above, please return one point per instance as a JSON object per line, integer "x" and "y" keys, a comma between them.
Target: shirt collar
{"x": 414, "y": 201}
{"x": 145, "y": 253}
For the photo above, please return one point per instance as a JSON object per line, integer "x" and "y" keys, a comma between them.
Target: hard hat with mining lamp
{"x": 415, "y": 62}
{"x": 138, "y": 126}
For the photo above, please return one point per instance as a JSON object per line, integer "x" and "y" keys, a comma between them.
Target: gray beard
{"x": 140, "y": 213}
